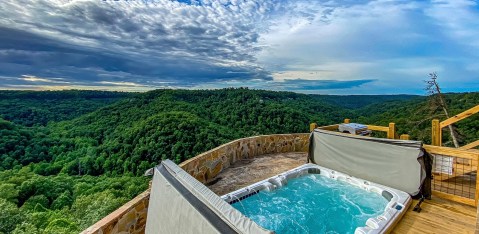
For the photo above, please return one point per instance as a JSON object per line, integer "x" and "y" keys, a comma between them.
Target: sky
{"x": 306, "y": 46}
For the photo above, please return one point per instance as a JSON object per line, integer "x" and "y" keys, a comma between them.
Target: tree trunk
{"x": 454, "y": 137}
{"x": 444, "y": 108}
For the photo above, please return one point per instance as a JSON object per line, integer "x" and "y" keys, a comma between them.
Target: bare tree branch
{"x": 436, "y": 101}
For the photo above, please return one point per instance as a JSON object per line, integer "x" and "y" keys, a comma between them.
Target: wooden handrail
{"x": 459, "y": 116}
{"x": 390, "y": 130}
{"x": 329, "y": 127}
{"x": 471, "y": 145}
{"x": 436, "y": 130}
{"x": 378, "y": 128}
{"x": 455, "y": 152}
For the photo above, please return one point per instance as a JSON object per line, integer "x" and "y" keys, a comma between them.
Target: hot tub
{"x": 314, "y": 199}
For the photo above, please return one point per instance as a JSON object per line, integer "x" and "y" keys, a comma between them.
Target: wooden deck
{"x": 438, "y": 216}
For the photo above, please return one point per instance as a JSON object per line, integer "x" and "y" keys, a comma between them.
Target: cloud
{"x": 159, "y": 40}
{"x": 394, "y": 41}
{"x": 315, "y": 85}
{"x": 31, "y": 78}
{"x": 259, "y": 43}
{"x": 303, "y": 85}
{"x": 458, "y": 19}
{"x": 76, "y": 87}
{"x": 120, "y": 83}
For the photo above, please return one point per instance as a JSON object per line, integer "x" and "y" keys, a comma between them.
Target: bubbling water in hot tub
{"x": 312, "y": 204}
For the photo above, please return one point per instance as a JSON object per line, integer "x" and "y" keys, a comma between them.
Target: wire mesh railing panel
{"x": 454, "y": 175}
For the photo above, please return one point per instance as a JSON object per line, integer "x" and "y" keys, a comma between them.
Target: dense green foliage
{"x": 31, "y": 108}
{"x": 31, "y": 203}
{"x": 359, "y": 101}
{"x": 69, "y": 158}
{"x": 135, "y": 133}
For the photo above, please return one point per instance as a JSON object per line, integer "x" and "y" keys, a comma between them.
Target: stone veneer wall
{"x": 131, "y": 217}
{"x": 206, "y": 166}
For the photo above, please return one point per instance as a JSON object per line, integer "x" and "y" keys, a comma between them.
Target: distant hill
{"x": 37, "y": 108}
{"x": 359, "y": 101}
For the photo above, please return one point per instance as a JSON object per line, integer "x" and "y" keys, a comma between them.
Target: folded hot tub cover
{"x": 395, "y": 163}
{"x": 181, "y": 204}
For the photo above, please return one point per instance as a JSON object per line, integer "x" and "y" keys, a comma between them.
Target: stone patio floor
{"x": 249, "y": 171}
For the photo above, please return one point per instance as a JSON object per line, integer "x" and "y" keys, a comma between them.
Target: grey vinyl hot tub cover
{"x": 181, "y": 204}
{"x": 394, "y": 163}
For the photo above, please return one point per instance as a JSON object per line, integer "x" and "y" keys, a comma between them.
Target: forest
{"x": 68, "y": 158}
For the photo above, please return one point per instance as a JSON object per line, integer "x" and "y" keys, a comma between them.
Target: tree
{"x": 9, "y": 192}
{"x": 26, "y": 228}
{"x": 32, "y": 202}
{"x": 64, "y": 200}
{"x": 437, "y": 101}
{"x": 61, "y": 226}
{"x": 10, "y": 216}
{"x": 91, "y": 208}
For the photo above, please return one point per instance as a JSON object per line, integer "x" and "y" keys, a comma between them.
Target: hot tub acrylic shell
{"x": 398, "y": 204}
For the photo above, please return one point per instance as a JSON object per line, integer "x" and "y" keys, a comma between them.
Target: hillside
{"x": 360, "y": 101}
{"x": 177, "y": 125}
{"x": 81, "y": 154}
{"x": 33, "y": 108}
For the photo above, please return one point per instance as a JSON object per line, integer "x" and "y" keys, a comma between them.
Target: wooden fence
{"x": 390, "y": 130}
{"x": 455, "y": 174}
{"x": 437, "y": 126}
{"x": 456, "y": 168}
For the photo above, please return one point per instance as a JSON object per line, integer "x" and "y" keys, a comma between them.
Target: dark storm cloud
{"x": 146, "y": 43}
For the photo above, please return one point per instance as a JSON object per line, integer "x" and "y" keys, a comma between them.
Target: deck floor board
{"x": 438, "y": 216}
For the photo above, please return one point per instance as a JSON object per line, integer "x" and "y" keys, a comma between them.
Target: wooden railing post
{"x": 346, "y": 121}
{"x": 404, "y": 137}
{"x": 436, "y": 133}
{"x": 477, "y": 220}
{"x": 476, "y": 194}
{"x": 392, "y": 130}
{"x": 312, "y": 126}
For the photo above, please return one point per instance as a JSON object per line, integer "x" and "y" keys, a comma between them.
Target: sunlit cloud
{"x": 44, "y": 80}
